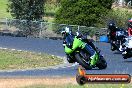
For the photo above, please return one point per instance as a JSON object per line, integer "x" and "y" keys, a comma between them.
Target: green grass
{"x": 3, "y": 9}
{"x": 85, "y": 86}
{"x": 23, "y": 60}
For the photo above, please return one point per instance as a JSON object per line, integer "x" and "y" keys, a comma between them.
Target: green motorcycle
{"x": 78, "y": 52}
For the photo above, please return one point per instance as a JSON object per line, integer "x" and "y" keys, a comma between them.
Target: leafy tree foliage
{"x": 26, "y": 9}
{"x": 82, "y": 12}
{"x": 106, "y": 3}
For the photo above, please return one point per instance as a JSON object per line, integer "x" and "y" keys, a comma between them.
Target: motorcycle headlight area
{"x": 119, "y": 33}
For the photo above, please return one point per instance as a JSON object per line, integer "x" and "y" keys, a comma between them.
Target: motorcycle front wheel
{"x": 82, "y": 61}
{"x": 102, "y": 64}
{"x": 70, "y": 60}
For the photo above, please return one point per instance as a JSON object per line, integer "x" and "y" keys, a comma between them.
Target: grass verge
{"x": 25, "y": 60}
{"x": 85, "y": 86}
{"x": 54, "y": 82}
{"x": 3, "y": 9}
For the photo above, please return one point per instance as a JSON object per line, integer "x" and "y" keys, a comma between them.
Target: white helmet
{"x": 68, "y": 30}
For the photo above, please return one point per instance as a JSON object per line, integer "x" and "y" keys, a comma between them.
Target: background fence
{"x": 23, "y": 28}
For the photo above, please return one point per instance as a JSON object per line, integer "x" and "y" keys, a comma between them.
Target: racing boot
{"x": 93, "y": 59}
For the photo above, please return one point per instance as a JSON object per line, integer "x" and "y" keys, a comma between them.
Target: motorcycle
{"x": 117, "y": 43}
{"x": 77, "y": 50}
{"x": 127, "y": 53}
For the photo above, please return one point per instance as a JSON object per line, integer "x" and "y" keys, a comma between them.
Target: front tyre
{"x": 113, "y": 48}
{"x": 70, "y": 60}
{"x": 102, "y": 64}
{"x": 82, "y": 61}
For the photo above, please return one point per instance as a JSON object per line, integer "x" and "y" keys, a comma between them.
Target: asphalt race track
{"x": 116, "y": 64}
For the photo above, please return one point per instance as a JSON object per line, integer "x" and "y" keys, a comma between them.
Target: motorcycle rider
{"x": 112, "y": 31}
{"x": 129, "y": 33}
{"x": 129, "y": 27}
{"x": 69, "y": 37}
{"x": 116, "y": 34}
{"x": 88, "y": 40}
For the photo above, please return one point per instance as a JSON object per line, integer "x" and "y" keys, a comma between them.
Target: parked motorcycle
{"x": 127, "y": 46}
{"x": 78, "y": 52}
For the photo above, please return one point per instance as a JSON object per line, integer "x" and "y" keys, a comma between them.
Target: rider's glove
{"x": 64, "y": 43}
{"x": 79, "y": 35}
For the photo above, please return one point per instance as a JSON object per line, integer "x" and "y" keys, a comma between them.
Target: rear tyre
{"x": 82, "y": 61}
{"x": 102, "y": 64}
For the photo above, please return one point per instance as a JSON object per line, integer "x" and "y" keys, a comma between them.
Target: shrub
{"x": 120, "y": 16}
{"x": 82, "y": 12}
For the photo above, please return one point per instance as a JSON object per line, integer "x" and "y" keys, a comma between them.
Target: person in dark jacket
{"x": 112, "y": 31}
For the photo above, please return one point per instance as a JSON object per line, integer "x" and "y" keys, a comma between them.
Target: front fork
{"x": 93, "y": 53}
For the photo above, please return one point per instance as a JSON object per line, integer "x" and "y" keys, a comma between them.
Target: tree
{"x": 82, "y": 12}
{"x": 106, "y": 3}
{"x": 26, "y": 9}
{"x": 29, "y": 10}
